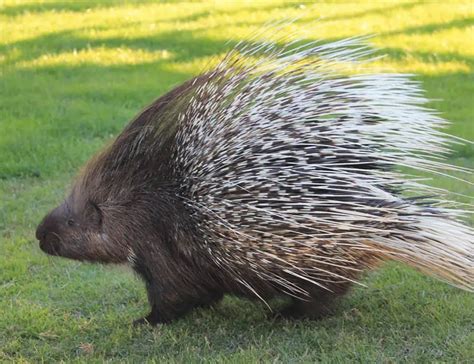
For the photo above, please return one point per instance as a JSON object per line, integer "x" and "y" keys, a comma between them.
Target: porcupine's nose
{"x": 41, "y": 231}
{"x": 48, "y": 240}
{"x": 48, "y": 224}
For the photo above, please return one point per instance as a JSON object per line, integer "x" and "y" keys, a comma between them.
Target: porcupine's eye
{"x": 70, "y": 222}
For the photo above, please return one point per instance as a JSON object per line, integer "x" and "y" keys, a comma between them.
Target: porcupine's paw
{"x": 151, "y": 319}
{"x": 146, "y": 321}
{"x": 140, "y": 322}
{"x": 165, "y": 310}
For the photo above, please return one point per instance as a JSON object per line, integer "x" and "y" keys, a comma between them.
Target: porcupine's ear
{"x": 93, "y": 213}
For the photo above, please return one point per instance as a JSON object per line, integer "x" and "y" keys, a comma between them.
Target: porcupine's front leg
{"x": 158, "y": 308}
{"x": 164, "y": 307}
{"x": 171, "y": 298}
{"x": 167, "y": 305}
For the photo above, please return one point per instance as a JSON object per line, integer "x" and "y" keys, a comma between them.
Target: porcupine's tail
{"x": 433, "y": 243}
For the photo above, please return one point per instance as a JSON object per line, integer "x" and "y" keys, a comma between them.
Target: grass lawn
{"x": 73, "y": 73}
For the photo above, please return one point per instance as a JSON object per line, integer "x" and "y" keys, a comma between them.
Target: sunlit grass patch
{"x": 100, "y": 56}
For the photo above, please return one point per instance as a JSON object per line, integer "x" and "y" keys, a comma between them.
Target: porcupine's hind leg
{"x": 322, "y": 303}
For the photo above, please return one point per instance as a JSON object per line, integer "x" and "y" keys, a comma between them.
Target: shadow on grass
{"x": 433, "y": 28}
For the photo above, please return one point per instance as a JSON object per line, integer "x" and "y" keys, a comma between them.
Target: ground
{"x": 73, "y": 73}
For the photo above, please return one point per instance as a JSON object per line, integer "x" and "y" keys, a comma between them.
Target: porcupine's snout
{"x": 47, "y": 234}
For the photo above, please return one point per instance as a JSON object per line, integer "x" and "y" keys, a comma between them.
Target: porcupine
{"x": 274, "y": 174}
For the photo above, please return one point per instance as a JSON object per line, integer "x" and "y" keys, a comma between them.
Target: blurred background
{"x": 73, "y": 73}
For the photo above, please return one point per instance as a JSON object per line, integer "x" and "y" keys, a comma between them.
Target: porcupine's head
{"x": 87, "y": 225}
{"x": 74, "y": 230}
{"x": 120, "y": 198}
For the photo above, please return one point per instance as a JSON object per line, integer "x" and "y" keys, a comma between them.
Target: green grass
{"x": 73, "y": 73}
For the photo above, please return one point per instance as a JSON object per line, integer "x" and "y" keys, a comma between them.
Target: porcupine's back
{"x": 286, "y": 164}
